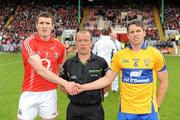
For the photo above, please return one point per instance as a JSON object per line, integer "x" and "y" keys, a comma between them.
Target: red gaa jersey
{"x": 52, "y": 53}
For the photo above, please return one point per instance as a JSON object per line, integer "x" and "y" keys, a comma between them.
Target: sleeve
{"x": 114, "y": 64}
{"x": 62, "y": 57}
{"x": 160, "y": 64}
{"x": 28, "y": 48}
{"x": 64, "y": 72}
{"x": 105, "y": 67}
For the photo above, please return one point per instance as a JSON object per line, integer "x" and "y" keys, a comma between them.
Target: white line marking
{"x": 17, "y": 61}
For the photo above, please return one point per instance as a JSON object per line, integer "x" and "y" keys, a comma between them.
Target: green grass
{"x": 11, "y": 76}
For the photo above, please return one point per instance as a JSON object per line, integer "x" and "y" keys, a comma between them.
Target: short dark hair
{"x": 137, "y": 23}
{"x": 105, "y": 32}
{"x": 45, "y": 14}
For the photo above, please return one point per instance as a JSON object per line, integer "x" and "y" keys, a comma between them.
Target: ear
{"x": 52, "y": 26}
{"x": 91, "y": 45}
{"x": 128, "y": 36}
{"x": 36, "y": 25}
{"x": 76, "y": 44}
{"x": 144, "y": 33}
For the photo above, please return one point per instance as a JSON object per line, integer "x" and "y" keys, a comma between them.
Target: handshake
{"x": 73, "y": 88}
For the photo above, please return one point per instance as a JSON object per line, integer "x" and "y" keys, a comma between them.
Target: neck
{"x": 136, "y": 48}
{"x": 45, "y": 38}
{"x": 84, "y": 58}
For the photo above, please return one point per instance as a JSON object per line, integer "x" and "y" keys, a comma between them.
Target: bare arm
{"x": 63, "y": 90}
{"x": 36, "y": 63}
{"x": 100, "y": 83}
{"x": 163, "y": 86}
{"x": 107, "y": 88}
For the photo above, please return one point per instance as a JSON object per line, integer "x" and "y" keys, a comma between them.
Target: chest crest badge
{"x": 56, "y": 55}
{"x": 147, "y": 62}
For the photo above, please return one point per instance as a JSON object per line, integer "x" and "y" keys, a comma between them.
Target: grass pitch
{"x": 11, "y": 76}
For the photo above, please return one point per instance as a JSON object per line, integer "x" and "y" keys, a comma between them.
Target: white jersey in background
{"x": 104, "y": 48}
{"x": 115, "y": 84}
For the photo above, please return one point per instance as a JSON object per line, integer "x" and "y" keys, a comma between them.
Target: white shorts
{"x": 33, "y": 103}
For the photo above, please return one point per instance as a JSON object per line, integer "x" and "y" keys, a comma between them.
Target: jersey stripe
{"x": 27, "y": 46}
{"x": 31, "y": 78}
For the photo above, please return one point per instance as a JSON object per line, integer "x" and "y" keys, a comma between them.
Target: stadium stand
{"x": 96, "y": 15}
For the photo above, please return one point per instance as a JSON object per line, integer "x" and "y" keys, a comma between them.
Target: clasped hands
{"x": 73, "y": 88}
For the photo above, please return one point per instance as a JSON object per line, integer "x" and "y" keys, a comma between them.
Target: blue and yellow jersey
{"x": 138, "y": 78}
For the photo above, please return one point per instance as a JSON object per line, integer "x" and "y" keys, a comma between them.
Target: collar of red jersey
{"x": 38, "y": 38}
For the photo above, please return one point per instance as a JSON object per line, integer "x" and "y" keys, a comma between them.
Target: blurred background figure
{"x": 104, "y": 48}
{"x": 117, "y": 46}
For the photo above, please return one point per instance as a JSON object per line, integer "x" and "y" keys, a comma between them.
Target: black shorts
{"x": 84, "y": 112}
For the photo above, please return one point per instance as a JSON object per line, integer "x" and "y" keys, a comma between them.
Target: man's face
{"x": 136, "y": 35}
{"x": 113, "y": 37}
{"x": 83, "y": 44}
{"x": 44, "y": 27}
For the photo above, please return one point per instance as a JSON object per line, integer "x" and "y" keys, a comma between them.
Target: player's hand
{"x": 71, "y": 88}
{"x": 80, "y": 88}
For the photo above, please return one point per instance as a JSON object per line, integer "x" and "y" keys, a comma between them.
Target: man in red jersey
{"x": 42, "y": 58}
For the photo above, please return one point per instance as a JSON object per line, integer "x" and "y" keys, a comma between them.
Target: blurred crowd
{"x": 20, "y": 18}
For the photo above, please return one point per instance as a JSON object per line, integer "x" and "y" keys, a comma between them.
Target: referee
{"x": 83, "y": 68}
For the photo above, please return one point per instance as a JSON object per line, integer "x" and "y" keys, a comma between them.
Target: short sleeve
{"x": 105, "y": 67}
{"x": 62, "y": 57}
{"x": 28, "y": 48}
{"x": 160, "y": 64}
{"x": 115, "y": 64}
{"x": 64, "y": 71}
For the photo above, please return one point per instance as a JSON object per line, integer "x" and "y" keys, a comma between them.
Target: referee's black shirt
{"x": 74, "y": 70}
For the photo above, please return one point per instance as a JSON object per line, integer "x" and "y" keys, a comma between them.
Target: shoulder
{"x": 98, "y": 42}
{"x": 29, "y": 39}
{"x": 98, "y": 57}
{"x": 156, "y": 54}
{"x": 117, "y": 41}
{"x": 29, "y": 42}
{"x": 124, "y": 51}
{"x": 70, "y": 60}
{"x": 153, "y": 50}
{"x": 58, "y": 42}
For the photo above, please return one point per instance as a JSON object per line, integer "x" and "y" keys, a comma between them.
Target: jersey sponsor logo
{"x": 137, "y": 76}
{"x": 73, "y": 77}
{"x": 136, "y": 73}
